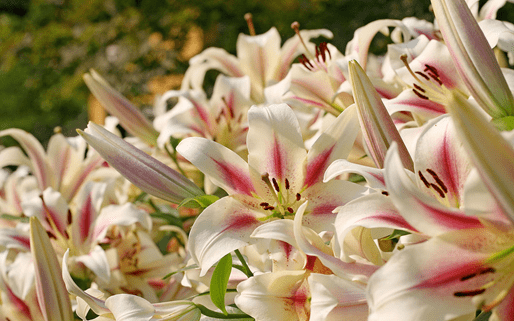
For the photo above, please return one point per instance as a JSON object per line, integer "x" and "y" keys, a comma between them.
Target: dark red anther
{"x": 419, "y": 88}
{"x": 420, "y": 95}
{"x": 287, "y": 184}
{"x": 432, "y": 69}
{"x": 438, "y": 180}
{"x": 423, "y": 179}
{"x": 290, "y": 210}
{"x": 469, "y": 293}
{"x": 298, "y": 196}
{"x": 422, "y": 75}
{"x": 264, "y": 204}
{"x": 275, "y": 184}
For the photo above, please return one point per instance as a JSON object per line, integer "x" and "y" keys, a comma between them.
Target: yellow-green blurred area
{"x": 142, "y": 46}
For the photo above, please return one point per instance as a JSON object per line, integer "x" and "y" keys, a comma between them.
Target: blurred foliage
{"x": 47, "y": 45}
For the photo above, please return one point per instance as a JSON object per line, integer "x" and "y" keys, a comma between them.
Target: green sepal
{"x": 201, "y": 201}
{"x": 504, "y": 123}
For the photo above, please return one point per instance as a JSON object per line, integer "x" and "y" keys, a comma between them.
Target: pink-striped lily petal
{"x": 131, "y": 118}
{"x": 280, "y": 296}
{"x": 376, "y": 123}
{"x": 97, "y": 305}
{"x": 373, "y": 176}
{"x": 51, "y": 209}
{"x": 259, "y": 59}
{"x": 314, "y": 89}
{"x": 334, "y": 143}
{"x": 122, "y": 215}
{"x": 421, "y": 211}
{"x": 333, "y": 298}
{"x": 407, "y": 100}
{"x": 40, "y": 166}
{"x": 441, "y": 161}
{"x": 490, "y": 8}
{"x": 275, "y": 144}
{"x": 492, "y": 155}
{"x": 348, "y": 271}
{"x": 210, "y": 58}
{"x": 373, "y": 211}
{"x": 224, "y": 167}
{"x": 324, "y": 198}
{"x": 224, "y": 226}
{"x": 358, "y": 47}
{"x": 142, "y": 170}
{"x": 14, "y": 238}
{"x": 53, "y": 298}
{"x": 441, "y": 276}
{"x": 473, "y": 57}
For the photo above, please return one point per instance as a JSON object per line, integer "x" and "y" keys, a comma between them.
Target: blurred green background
{"x": 141, "y": 46}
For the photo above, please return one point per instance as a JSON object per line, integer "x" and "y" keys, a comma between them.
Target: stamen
{"x": 249, "y": 22}
{"x": 275, "y": 185}
{"x": 287, "y": 184}
{"x": 298, "y": 196}
{"x": 469, "y": 293}
{"x": 419, "y": 94}
{"x": 432, "y": 69}
{"x": 423, "y": 179}
{"x": 296, "y": 27}
{"x": 385, "y": 193}
{"x": 438, "y": 180}
{"x": 264, "y": 204}
{"x": 419, "y": 88}
{"x": 438, "y": 190}
{"x": 422, "y": 75}
{"x": 290, "y": 210}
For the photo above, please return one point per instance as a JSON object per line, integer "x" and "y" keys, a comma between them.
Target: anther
{"x": 290, "y": 210}
{"x": 423, "y": 179}
{"x": 275, "y": 184}
{"x": 422, "y": 75}
{"x": 419, "y": 88}
{"x": 249, "y": 22}
{"x": 438, "y": 180}
{"x": 438, "y": 190}
{"x": 287, "y": 184}
{"x": 385, "y": 193}
{"x": 419, "y": 94}
{"x": 469, "y": 293}
{"x": 298, "y": 196}
{"x": 264, "y": 204}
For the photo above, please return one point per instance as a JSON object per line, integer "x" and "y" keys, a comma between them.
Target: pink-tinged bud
{"x": 142, "y": 170}
{"x": 53, "y": 298}
{"x": 131, "y": 119}
{"x": 377, "y": 126}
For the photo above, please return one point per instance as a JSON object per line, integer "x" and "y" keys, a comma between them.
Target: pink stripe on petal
{"x": 85, "y": 218}
{"x": 449, "y": 219}
{"x": 234, "y": 178}
{"x": 278, "y": 158}
{"x": 239, "y": 222}
{"x": 316, "y": 168}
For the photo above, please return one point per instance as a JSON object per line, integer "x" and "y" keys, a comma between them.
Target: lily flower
{"x": 258, "y": 56}
{"x": 279, "y": 176}
{"x": 142, "y": 170}
{"x": 126, "y": 307}
{"x": 62, "y": 167}
{"x": 53, "y": 298}
{"x": 473, "y": 57}
{"x": 131, "y": 119}
{"x": 467, "y": 267}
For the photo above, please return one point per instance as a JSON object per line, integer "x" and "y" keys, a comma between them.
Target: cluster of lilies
{"x": 308, "y": 185}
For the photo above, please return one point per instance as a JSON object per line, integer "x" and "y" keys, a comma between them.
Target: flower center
{"x": 285, "y": 200}
{"x": 428, "y": 84}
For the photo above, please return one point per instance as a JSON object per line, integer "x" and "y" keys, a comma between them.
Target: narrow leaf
{"x": 219, "y": 282}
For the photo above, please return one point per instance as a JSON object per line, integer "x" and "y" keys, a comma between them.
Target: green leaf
{"x": 201, "y": 201}
{"x": 219, "y": 282}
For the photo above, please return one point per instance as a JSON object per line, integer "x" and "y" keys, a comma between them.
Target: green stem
{"x": 173, "y": 157}
{"x": 214, "y": 314}
{"x": 246, "y": 271}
